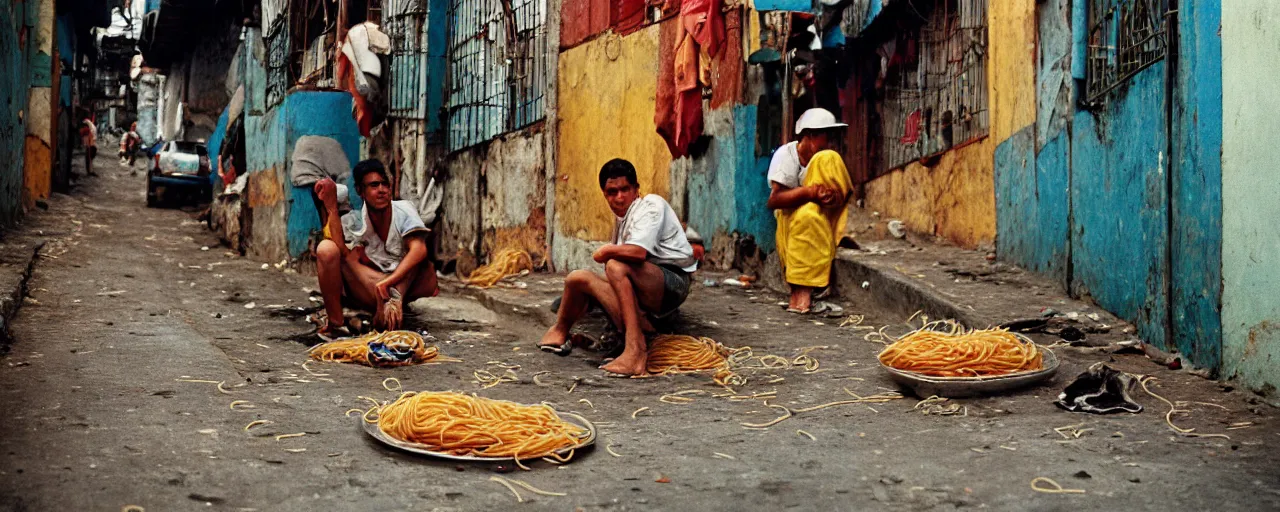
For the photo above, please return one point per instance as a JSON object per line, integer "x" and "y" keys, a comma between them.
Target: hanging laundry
{"x": 684, "y": 57}
{"x": 911, "y": 130}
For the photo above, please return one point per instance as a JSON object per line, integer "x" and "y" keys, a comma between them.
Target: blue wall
{"x": 14, "y": 89}
{"x": 316, "y": 113}
{"x": 1196, "y": 169}
{"x": 1032, "y": 203}
{"x": 727, "y": 187}
{"x": 1119, "y": 204}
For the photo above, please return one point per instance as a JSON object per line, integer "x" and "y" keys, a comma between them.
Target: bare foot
{"x": 554, "y": 337}
{"x": 631, "y": 362}
{"x": 801, "y": 298}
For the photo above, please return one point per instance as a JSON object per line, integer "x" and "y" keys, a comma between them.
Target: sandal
{"x": 561, "y": 350}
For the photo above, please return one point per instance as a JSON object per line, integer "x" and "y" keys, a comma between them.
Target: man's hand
{"x": 827, "y": 197}
{"x": 601, "y": 255}
{"x": 383, "y": 288}
{"x": 327, "y": 191}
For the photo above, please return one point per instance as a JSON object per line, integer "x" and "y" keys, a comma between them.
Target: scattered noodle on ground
{"x": 947, "y": 349}
{"x": 505, "y": 263}
{"x": 356, "y": 350}
{"x": 461, "y": 424}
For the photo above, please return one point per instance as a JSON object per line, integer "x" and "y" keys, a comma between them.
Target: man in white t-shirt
{"x": 809, "y": 187}
{"x": 375, "y": 257}
{"x": 647, "y": 265}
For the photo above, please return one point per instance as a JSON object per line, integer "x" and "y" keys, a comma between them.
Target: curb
{"x": 11, "y": 300}
{"x": 900, "y": 294}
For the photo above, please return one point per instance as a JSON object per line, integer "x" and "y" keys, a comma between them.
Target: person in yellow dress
{"x": 809, "y": 189}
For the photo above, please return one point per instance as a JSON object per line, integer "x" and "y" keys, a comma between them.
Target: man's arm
{"x": 327, "y": 190}
{"x": 785, "y": 198}
{"x": 625, "y": 252}
{"x": 416, "y": 253}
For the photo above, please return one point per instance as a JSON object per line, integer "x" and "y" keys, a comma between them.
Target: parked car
{"x": 179, "y": 167}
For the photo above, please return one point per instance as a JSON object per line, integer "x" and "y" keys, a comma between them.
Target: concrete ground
{"x": 126, "y": 305}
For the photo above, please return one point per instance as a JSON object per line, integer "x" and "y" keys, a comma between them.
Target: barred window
{"x": 933, "y": 93}
{"x": 1125, "y": 37}
{"x": 404, "y": 23}
{"x": 497, "y": 68}
{"x": 277, "y": 67}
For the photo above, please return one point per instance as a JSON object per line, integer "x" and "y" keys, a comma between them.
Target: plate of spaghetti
{"x": 459, "y": 426}
{"x": 946, "y": 359}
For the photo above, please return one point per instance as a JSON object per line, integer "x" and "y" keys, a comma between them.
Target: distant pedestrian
{"x": 809, "y": 187}
{"x": 129, "y": 144}
{"x": 89, "y": 139}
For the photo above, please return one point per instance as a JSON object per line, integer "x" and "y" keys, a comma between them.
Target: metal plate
{"x": 422, "y": 449}
{"x": 956, "y": 387}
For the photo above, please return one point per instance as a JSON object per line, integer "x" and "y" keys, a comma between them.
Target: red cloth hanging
{"x": 679, "y": 96}
{"x": 703, "y": 19}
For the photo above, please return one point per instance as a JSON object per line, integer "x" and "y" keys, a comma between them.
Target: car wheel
{"x": 152, "y": 198}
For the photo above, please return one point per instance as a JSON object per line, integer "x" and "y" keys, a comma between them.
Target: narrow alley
{"x": 135, "y": 314}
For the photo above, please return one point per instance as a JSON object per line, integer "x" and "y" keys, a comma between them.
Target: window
{"x": 497, "y": 68}
{"x": 1125, "y": 37}
{"x": 932, "y": 94}
{"x": 278, "y": 75}
{"x": 404, "y": 23}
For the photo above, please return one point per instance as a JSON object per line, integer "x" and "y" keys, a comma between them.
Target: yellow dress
{"x": 807, "y": 235}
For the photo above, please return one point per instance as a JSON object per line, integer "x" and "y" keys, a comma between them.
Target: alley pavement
{"x": 140, "y": 332}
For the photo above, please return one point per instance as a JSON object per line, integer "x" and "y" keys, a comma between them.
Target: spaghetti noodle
{"x": 960, "y": 352}
{"x": 380, "y": 349}
{"x": 506, "y": 263}
{"x": 460, "y": 424}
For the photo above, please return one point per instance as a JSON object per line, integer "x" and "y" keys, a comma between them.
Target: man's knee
{"x": 578, "y": 279}
{"x": 327, "y": 253}
{"x": 615, "y": 270}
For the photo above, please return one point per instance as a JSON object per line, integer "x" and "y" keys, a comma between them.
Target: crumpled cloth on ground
{"x": 395, "y": 353}
{"x": 1100, "y": 390}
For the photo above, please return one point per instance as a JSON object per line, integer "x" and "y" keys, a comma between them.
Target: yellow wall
{"x": 955, "y": 199}
{"x": 1011, "y": 73}
{"x": 606, "y": 110}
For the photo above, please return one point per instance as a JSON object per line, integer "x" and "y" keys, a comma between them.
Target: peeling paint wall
{"x": 1250, "y": 244}
{"x": 41, "y": 106}
{"x": 513, "y": 203}
{"x": 606, "y": 90}
{"x": 14, "y": 90}
{"x": 953, "y": 199}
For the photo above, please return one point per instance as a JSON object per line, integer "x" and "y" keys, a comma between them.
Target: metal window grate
{"x": 277, "y": 67}
{"x": 497, "y": 68}
{"x": 1125, "y": 37}
{"x": 938, "y": 99}
{"x": 407, "y": 80}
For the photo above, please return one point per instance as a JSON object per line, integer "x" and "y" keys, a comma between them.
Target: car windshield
{"x": 189, "y": 147}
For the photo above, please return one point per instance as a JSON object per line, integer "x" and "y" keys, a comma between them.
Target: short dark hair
{"x": 367, "y": 167}
{"x": 618, "y": 168}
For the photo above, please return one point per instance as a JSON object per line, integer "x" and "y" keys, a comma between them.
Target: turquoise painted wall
{"x": 727, "y": 187}
{"x": 1250, "y": 188}
{"x": 14, "y": 90}
{"x": 1196, "y": 190}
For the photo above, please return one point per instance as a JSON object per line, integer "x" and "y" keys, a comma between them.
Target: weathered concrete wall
{"x": 283, "y": 220}
{"x": 513, "y": 203}
{"x": 1195, "y": 243}
{"x": 728, "y": 185}
{"x": 1250, "y": 244}
{"x": 41, "y": 105}
{"x": 1119, "y": 202}
{"x": 606, "y": 108}
{"x": 495, "y": 198}
{"x": 956, "y": 198}
{"x": 1032, "y": 167}
{"x": 14, "y": 92}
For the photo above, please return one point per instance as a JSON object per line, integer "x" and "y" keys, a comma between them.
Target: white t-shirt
{"x": 785, "y": 168}
{"x": 386, "y": 256}
{"x": 652, "y": 224}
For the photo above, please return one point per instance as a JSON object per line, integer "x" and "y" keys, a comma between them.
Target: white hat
{"x": 817, "y": 119}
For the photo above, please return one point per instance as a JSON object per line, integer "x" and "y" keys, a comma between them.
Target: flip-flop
{"x": 827, "y": 309}
{"x": 561, "y": 350}
{"x": 614, "y": 375}
{"x": 798, "y": 311}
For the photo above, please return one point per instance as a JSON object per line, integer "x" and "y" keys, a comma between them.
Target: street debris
{"x": 1100, "y": 390}
{"x": 1053, "y": 487}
